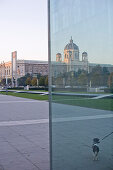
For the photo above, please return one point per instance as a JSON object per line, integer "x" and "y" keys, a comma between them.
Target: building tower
{"x": 84, "y": 56}
{"x": 58, "y": 57}
{"x": 71, "y": 52}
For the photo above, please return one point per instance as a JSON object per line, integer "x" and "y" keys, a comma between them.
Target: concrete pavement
{"x": 24, "y": 143}
{"x": 73, "y": 131}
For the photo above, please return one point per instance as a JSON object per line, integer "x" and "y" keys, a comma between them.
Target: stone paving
{"x": 23, "y": 146}
{"x": 24, "y": 136}
{"x": 73, "y": 131}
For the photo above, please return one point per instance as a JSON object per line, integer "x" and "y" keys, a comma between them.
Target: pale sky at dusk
{"x": 89, "y": 22}
{"x": 23, "y": 28}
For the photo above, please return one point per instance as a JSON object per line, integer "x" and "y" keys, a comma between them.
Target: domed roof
{"x": 71, "y": 45}
{"x": 58, "y": 54}
{"x": 84, "y": 52}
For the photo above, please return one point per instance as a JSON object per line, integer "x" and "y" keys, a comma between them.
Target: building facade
{"x": 5, "y": 70}
{"x": 72, "y": 59}
{"x": 23, "y": 67}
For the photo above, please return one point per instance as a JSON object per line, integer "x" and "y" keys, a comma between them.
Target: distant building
{"x": 31, "y": 67}
{"x": 70, "y": 62}
{"x": 72, "y": 59}
{"x": 5, "y": 70}
{"x": 22, "y": 67}
{"x": 58, "y": 57}
{"x": 109, "y": 67}
{"x": 71, "y": 52}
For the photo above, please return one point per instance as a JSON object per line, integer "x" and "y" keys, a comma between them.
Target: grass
{"x": 81, "y": 92}
{"x": 29, "y": 90}
{"x": 27, "y": 95}
{"x": 103, "y": 104}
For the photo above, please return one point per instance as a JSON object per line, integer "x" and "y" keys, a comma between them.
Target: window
{"x": 81, "y": 106}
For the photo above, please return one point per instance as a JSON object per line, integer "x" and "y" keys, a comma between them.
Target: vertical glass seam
{"x": 49, "y": 79}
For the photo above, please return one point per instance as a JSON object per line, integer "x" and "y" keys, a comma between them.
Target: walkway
{"x": 24, "y": 139}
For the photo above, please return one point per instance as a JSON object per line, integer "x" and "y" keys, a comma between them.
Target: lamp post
{"x": 6, "y": 81}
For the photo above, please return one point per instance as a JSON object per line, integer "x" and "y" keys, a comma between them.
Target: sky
{"x": 89, "y": 22}
{"x": 23, "y": 28}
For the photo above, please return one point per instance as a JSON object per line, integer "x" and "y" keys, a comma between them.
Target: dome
{"x": 58, "y": 54}
{"x": 71, "y": 45}
{"x": 84, "y": 53}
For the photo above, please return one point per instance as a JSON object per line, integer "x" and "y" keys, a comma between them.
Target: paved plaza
{"x": 24, "y": 139}
{"x": 73, "y": 131}
{"x": 24, "y": 136}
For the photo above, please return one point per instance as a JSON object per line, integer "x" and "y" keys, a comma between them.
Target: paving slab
{"x": 26, "y": 146}
{"x": 72, "y": 135}
{"x": 23, "y": 146}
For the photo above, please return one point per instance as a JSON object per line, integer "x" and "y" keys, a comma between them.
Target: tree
{"x": 105, "y": 70}
{"x": 96, "y": 76}
{"x": 3, "y": 82}
{"x": 28, "y": 81}
{"x": 34, "y": 81}
{"x": 42, "y": 81}
{"x": 110, "y": 80}
{"x": 38, "y": 75}
{"x": 22, "y": 80}
{"x": 82, "y": 79}
{"x": 59, "y": 81}
{"x": 46, "y": 81}
{"x": 9, "y": 81}
{"x": 105, "y": 76}
{"x": 96, "y": 79}
{"x": 99, "y": 76}
{"x": 97, "y": 69}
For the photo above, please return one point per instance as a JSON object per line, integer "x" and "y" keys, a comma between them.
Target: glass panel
{"x": 82, "y": 84}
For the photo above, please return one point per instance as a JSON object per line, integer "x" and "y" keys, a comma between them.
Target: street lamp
{"x": 6, "y": 81}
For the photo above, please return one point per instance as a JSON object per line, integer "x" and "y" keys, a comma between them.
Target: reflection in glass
{"x": 82, "y": 84}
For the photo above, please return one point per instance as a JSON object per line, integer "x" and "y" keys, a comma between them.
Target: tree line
{"x": 99, "y": 76}
{"x": 28, "y": 79}
{"x": 3, "y": 82}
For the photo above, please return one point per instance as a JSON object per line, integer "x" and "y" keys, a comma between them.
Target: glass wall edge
{"x": 49, "y": 82}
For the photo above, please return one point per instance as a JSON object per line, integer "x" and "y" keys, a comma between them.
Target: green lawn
{"x": 29, "y": 90}
{"x": 103, "y": 104}
{"x": 26, "y": 95}
{"x": 82, "y": 92}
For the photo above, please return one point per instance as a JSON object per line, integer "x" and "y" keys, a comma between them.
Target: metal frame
{"x": 49, "y": 79}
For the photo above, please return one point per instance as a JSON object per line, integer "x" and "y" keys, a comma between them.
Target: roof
{"x": 84, "y": 52}
{"x": 32, "y": 61}
{"x": 102, "y": 65}
{"x": 58, "y": 54}
{"x": 71, "y": 45}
